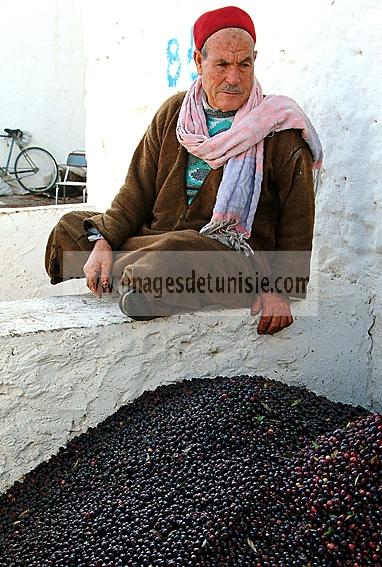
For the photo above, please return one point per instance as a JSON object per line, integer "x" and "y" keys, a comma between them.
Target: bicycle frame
{"x": 6, "y": 169}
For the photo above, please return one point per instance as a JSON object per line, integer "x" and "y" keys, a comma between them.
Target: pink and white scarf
{"x": 241, "y": 150}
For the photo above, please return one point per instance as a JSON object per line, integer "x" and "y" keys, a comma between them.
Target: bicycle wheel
{"x": 36, "y": 170}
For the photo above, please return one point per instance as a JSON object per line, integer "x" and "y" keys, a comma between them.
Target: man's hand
{"x": 275, "y": 313}
{"x": 98, "y": 268}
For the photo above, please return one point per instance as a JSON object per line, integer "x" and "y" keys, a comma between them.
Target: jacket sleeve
{"x": 295, "y": 219}
{"x": 132, "y": 206}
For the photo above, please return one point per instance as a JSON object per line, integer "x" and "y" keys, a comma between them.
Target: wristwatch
{"x": 94, "y": 234}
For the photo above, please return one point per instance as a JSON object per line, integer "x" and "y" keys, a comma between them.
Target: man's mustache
{"x": 232, "y": 89}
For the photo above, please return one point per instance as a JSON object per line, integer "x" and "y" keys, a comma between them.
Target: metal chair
{"x": 75, "y": 159}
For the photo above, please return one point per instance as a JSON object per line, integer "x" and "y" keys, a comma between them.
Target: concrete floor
{"x": 31, "y": 200}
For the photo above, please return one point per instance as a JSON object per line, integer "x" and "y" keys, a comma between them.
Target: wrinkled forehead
{"x": 230, "y": 39}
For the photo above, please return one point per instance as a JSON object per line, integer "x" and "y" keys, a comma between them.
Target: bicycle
{"x": 34, "y": 168}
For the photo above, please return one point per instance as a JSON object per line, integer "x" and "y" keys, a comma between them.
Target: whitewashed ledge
{"x": 69, "y": 362}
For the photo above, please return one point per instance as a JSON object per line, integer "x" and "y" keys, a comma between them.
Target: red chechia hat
{"x": 228, "y": 17}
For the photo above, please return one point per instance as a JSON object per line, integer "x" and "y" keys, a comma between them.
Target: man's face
{"x": 227, "y": 70}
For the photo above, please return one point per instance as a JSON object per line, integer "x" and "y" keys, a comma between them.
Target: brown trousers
{"x": 181, "y": 268}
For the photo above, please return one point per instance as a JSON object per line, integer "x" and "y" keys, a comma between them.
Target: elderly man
{"x": 221, "y": 169}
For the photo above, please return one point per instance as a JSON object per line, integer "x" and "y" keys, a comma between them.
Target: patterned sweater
{"x": 198, "y": 169}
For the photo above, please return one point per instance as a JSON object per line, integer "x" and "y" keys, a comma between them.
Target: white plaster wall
{"x": 70, "y": 364}
{"x": 42, "y": 89}
{"x": 22, "y": 251}
{"x": 325, "y": 54}
{"x": 42, "y": 73}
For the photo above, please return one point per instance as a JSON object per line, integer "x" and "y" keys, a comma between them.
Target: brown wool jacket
{"x": 153, "y": 197}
